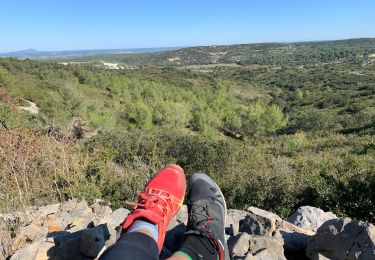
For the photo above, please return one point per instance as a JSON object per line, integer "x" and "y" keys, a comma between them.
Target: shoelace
{"x": 150, "y": 198}
{"x": 201, "y": 211}
{"x": 199, "y": 215}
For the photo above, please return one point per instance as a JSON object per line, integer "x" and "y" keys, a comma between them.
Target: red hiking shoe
{"x": 161, "y": 199}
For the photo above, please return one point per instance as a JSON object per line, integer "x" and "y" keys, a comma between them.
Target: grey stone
{"x": 343, "y": 239}
{"x": 239, "y": 245}
{"x": 72, "y": 221}
{"x": 263, "y": 223}
{"x": 47, "y": 210}
{"x": 74, "y": 205}
{"x": 182, "y": 215}
{"x": 264, "y": 213}
{"x": 310, "y": 218}
{"x": 115, "y": 218}
{"x": 258, "y": 225}
{"x": 101, "y": 210}
{"x": 245, "y": 246}
{"x": 232, "y": 225}
{"x": 28, "y": 234}
{"x": 27, "y": 252}
{"x": 92, "y": 241}
{"x": 263, "y": 248}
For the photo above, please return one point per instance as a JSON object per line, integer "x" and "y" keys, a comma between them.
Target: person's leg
{"x": 144, "y": 229}
{"x": 205, "y": 236}
{"x": 134, "y": 246}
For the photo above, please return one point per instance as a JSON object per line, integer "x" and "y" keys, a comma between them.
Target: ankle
{"x": 146, "y": 227}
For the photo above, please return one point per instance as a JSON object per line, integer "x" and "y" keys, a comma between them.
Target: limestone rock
{"x": 258, "y": 225}
{"x": 264, "y": 213}
{"x": 47, "y": 210}
{"x": 115, "y": 218}
{"x": 27, "y": 252}
{"x": 239, "y": 245}
{"x": 343, "y": 239}
{"x": 263, "y": 248}
{"x": 263, "y": 223}
{"x": 182, "y": 215}
{"x": 74, "y": 205}
{"x": 310, "y": 218}
{"x": 101, "y": 210}
{"x": 180, "y": 218}
{"x": 234, "y": 216}
{"x": 245, "y": 246}
{"x": 28, "y": 234}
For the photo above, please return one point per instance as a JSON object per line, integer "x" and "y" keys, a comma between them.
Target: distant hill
{"x": 300, "y": 53}
{"x": 360, "y": 50}
{"x": 36, "y": 54}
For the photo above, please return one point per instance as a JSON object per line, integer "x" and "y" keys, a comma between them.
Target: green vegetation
{"x": 276, "y": 135}
{"x": 354, "y": 51}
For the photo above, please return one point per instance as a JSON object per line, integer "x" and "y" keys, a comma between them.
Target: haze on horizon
{"x": 72, "y": 25}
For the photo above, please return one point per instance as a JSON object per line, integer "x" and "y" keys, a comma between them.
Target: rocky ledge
{"x": 76, "y": 230}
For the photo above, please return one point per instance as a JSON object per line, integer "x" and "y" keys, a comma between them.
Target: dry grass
{"x": 35, "y": 169}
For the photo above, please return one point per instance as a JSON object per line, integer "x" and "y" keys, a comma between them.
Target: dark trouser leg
{"x": 132, "y": 246}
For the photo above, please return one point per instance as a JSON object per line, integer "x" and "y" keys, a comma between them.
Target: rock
{"x": 73, "y": 221}
{"x": 28, "y": 234}
{"x": 115, "y": 218}
{"x": 74, "y": 205}
{"x": 245, "y": 246}
{"x": 47, "y": 210}
{"x": 101, "y": 210}
{"x": 27, "y": 252}
{"x": 239, "y": 245}
{"x": 182, "y": 215}
{"x": 258, "y": 225}
{"x": 79, "y": 224}
{"x": 310, "y": 218}
{"x": 262, "y": 248}
{"x": 263, "y": 223}
{"x": 44, "y": 250}
{"x": 113, "y": 236}
{"x": 92, "y": 241}
{"x": 234, "y": 216}
{"x": 264, "y": 213}
{"x": 180, "y": 218}
{"x": 343, "y": 239}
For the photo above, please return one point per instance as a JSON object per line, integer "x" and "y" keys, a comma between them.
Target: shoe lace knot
{"x": 199, "y": 217}
{"x": 156, "y": 199}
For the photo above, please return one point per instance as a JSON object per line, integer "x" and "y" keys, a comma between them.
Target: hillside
{"x": 353, "y": 51}
{"x": 273, "y": 136}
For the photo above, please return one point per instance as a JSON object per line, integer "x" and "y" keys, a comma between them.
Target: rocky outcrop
{"x": 269, "y": 234}
{"x": 310, "y": 218}
{"x": 343, "y": 239}
{"x": 72, "y": 229}
{"x": 76, "y": 230}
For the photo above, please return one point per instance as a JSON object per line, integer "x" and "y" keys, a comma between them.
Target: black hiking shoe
{"x": 207, "y": 212}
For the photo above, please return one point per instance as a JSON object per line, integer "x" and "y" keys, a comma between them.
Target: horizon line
{"x": 192, "y": 46}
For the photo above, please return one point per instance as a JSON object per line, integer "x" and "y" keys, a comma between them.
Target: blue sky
{"x": 103, "y": 24}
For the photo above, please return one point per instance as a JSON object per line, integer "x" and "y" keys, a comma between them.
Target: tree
{"x": 261, "y": 118}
